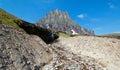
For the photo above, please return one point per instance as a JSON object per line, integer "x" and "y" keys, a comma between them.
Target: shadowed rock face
{"x": 47, "y": 35}
{"x": 60, "y": 21}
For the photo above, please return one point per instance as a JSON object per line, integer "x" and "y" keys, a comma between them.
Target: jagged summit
{"x": 60, "y": 21}
{"x": 60, "y": 14}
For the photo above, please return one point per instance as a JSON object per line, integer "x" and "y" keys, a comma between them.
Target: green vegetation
{"x": 8, "y": 19}
{"x": 60, "y": 33}
{"x": 64, "y": 34}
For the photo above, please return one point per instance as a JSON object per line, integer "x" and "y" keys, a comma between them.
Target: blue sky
{"x": 102, "y": 16}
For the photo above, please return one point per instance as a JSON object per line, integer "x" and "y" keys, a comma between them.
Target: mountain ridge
{"x": 60, "y": 21}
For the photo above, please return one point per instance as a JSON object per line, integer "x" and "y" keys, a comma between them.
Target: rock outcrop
{"x": 45, "y": 34}
{"x": 60, "y": 21}
{"x": 21, "y": 51}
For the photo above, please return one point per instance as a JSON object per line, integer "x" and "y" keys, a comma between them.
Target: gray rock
{"x": 60, "y": 21}
{"x": 21, "y": 51}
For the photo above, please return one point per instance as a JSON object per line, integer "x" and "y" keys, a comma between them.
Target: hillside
{"x": 114, "y": 35}
{"x": 21, "y": 47}
{"x": 8, "y": 19}
{"x": 104, "y": 51}
{"x": 60, "y": 21}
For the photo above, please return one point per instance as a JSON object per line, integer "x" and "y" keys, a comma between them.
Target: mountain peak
{"x": 60, "y": 21}
{"x": 57, "y": 11}
{"x": 58, "y": 14}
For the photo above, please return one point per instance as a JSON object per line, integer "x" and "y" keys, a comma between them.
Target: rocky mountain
{"x": 24, "y": 46}
{"x": 60, "y": 21}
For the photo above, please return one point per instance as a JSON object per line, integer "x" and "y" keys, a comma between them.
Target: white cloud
{"x": 111, "y": 5}
{"x": 81, "y": 16}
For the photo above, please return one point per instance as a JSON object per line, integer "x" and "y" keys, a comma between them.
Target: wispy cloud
{"x": 111, "y": 5}
{"x": 81, "y": 16}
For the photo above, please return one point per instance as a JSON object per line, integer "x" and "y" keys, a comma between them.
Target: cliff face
{"x": 60, "y": 21}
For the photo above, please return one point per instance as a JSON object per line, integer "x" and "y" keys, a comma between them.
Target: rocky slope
{"x": 60, "y": 21}
{"x": 104, "y": 51}
{"x": 20, "y": 51}
{"x": 21, "y": 47}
